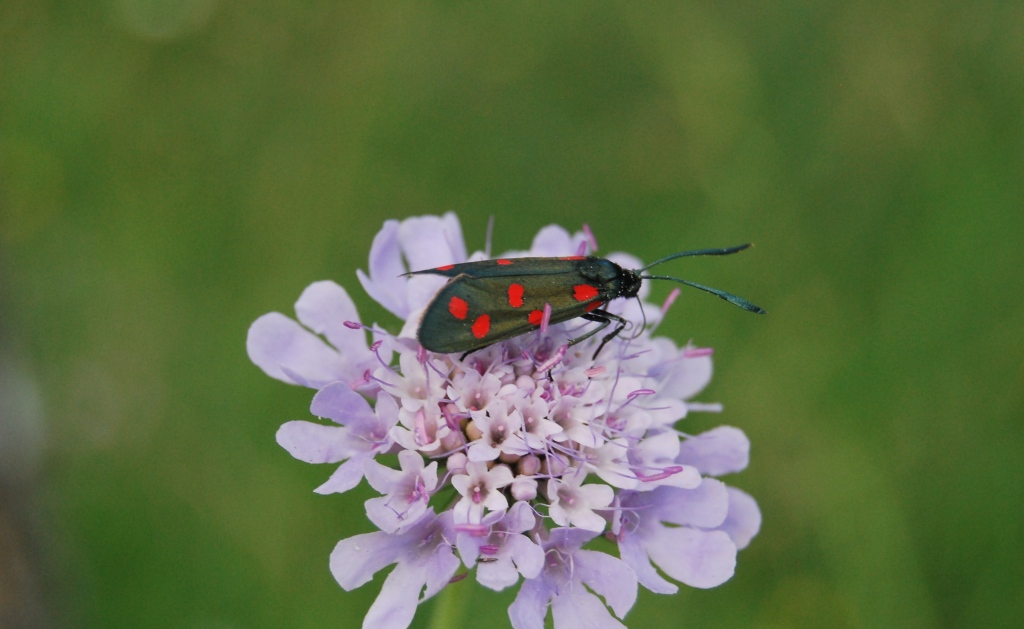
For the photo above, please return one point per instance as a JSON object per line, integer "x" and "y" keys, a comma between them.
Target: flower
{"x": 513, "y": 457}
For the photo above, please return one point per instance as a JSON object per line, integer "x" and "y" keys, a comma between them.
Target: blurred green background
{"x": 170, "y": 170}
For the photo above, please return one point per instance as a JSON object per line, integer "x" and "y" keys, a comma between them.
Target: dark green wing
{"x": 469, "y": 312}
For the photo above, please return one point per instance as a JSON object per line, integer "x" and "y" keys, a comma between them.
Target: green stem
{"x": 448, "y": 607}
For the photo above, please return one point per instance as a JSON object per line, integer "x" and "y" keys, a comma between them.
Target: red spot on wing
{"x": 447, "y": 267}
{"x": 573, "y": 258}
{"x": 515, "y": 295}
{"x": 594, "y": 305}
{"x": 535, "y": 317}
{"x": 503, "y": 261}
{"x": 458, "y": 307}
{"x": 481, "y": 326}
{"x": 584, "y": 292}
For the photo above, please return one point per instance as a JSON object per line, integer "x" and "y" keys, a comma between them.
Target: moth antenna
{"x": 700, "y": 252}
{"x": 729, "y": 297}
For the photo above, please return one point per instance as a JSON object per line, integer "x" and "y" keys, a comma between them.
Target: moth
{"x": 494, "y": 300}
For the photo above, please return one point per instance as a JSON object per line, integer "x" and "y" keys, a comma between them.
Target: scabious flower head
{"x": 513, "y": 457}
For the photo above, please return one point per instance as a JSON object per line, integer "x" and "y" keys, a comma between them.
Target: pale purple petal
{"x": 276, "y": 342}
{"x": 531, "y": 605}
{"x": 420, "y": 290}
{"x": 632, "y": 551}
{"x": 324, "y": 307}
{"x": 299, "y": 379}
{"x": 441, "y": 567}
{"x": 667, "y": 411}
{"x": 687, "y": 377}
{"x": 705, "y": 506}
{"x": 701, "y": 559}
{"x": 721, "y": 450}
{"x": 609, "y": 577}
{"x": 744, "y": 519}
{"x": 339, "y": 403}
{"x": 500, "y": 574}
{"x": 468, "y": 546}
{"x": 356, "y": 559}
{"x": 399, "y": 596}
{"x": 381, "y": 477}
{"x": 385, "y": 282}
{"x": 520, "y": 517}
{"x": 383, "y": 515}
{"x": 579, "y": 609}
{"x": 344, "y": 478}
{"x": 554, "y": 241}
{"x": 528, "y": 556}
{"x": 569, "y": 538}
{"x": 314, "y": 443}
{"x": 429, "y": 241}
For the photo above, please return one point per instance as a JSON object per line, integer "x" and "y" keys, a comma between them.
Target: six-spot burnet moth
{"x": 494, "y": 300}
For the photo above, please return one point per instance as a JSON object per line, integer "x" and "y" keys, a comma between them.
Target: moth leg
{"x": 604, "y": 318}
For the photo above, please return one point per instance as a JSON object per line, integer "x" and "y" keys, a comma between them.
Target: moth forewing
{"x": 470, "y": 313}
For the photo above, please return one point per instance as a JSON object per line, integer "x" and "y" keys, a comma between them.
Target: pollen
{"x": 515, "y": 295}
{"x": 584, "y": 292}
{"x": 481, "y": 326}
{"x": 458, "y": 307}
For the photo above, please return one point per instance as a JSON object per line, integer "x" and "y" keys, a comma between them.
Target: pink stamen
{"x": 488, "y": 549}
{"x": 669, "y": 471}
{"x": 376, "y": 345}
{"x": 458, "y": 577}
{"x": 419, "y": 492}
{"x": 582, "y": 249}
{"x": 474, "y": 530}
{"x": 671, "y": 299}
{"x": 639, "y": 392}
{"x": 698, "y": 352}
{"x": 449, "y": 417}
{"x": 556, "y": 358}
{"x": 545, "y": 319}
{"x": 361, "y": 381}
{"x": 590, "y": 237}
{"x": 594, "y": 371}
{"x": 421, "y": 354}
{"x": 353, "y": 325}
